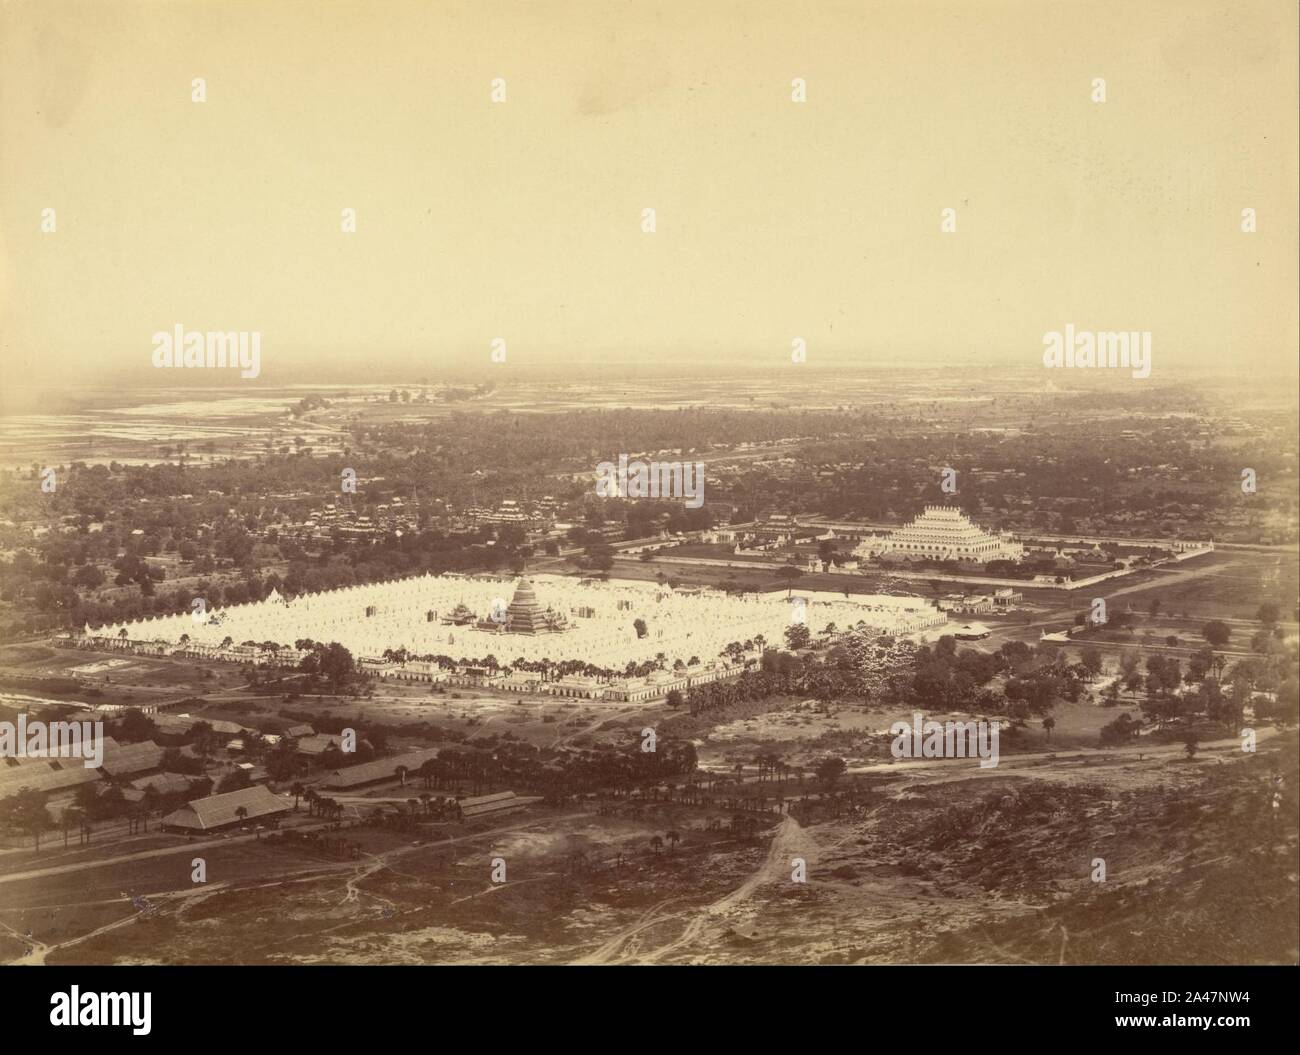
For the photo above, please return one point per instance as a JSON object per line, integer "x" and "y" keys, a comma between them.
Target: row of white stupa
{"x": 601, "y": 618}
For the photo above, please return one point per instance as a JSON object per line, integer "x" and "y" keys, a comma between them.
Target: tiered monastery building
{"x": 943, "y": 533}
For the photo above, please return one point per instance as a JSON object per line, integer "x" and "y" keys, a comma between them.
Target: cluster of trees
{"x": 106, "y": 522}
{"x": 550, "y": 669}
{"x": 617, "y": 772}
{"x": 1209, "y": 689}
{"x": 50, "y": 591}
{"x": 780, "y": 674}
{"x": 1035, "y": 480}
{"x": 504, "y": 761}
{"x": 332, "y": 663}
{"x": 25, "y": 815}
{"x": 938, "y": 677}
{"x": 948, "y": 678}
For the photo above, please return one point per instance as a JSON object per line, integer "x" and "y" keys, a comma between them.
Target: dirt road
{"x": 707, "y": 922}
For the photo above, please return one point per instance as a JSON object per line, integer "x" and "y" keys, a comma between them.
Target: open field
{"x": 1241, "y": 578}
{"x": 97, "y": 678}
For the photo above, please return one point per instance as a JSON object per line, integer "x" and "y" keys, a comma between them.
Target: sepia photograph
{"x": 695, "y": 483}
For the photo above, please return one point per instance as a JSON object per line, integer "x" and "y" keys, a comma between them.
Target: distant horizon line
{"x": 685, "y": 366}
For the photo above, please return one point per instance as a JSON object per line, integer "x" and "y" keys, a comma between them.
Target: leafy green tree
{"x": 1121, "y": 731}
{"x": 332, "y": 662}
{"x": 1216, "y": 632}
{"x": 1091, "y": 659}
{"x": 797, "y": 636}
{"x": 830, "y": 769}
{"x": 134, "y": 726}
{"x": 25, "y": 812}
{"x": 233, "y": 781}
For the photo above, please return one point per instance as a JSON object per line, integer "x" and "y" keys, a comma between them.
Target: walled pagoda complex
{"x": 602, "y": 624}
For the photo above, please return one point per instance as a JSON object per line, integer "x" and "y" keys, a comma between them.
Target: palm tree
{"x": 673, "y": 837}
{"x": 1049, "y": 723}
{"x": 241, "y": 813}
{"x": 151, "y": 797}
{"x": 71, "y": 817}
{"x": 401, "y": 774}
{"x": 297, "y": 790}
{"x": 656, "y": 843}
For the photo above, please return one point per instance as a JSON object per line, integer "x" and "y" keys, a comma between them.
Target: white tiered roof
{"x": 944, "y": 532}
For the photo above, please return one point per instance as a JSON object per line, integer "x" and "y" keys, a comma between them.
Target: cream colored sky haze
{"x": 522, "y": 219}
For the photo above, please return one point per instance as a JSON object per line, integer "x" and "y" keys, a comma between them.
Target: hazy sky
{"x": 522, "y": 219}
